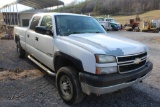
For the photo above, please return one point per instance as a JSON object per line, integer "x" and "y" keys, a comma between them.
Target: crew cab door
{"x": 44, "y": 43}
{"x": 30, "y": 35}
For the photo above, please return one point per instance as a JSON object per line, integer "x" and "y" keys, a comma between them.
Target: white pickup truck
{"x": 109, "y": 24}
{"x": 83, "y": 57}
{"x": 105, "y": 24}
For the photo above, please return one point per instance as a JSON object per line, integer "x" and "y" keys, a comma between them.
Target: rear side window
{"x": 47, "y": 22}
{"x": 35, "y": 22}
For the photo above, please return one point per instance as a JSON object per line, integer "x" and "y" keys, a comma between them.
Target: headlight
{"x": 105, "y": 59}
{"x": 106, "y": 70}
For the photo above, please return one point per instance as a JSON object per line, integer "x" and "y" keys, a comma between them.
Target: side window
{"x": 34, "y": 22}
{"x": 47, "y": 22}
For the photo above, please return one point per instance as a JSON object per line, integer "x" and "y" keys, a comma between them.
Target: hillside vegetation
{"x": 113, "y": 7}
{"x": 150, "y": 15}
{"x": 120, "y": 10}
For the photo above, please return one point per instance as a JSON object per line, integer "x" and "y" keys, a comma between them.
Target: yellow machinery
{"x": 150, "y": 27}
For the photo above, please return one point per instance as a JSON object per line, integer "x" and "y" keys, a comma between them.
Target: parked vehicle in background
{"x": 109, "y": 23}
{"x": 151, "y": 26}
{"x": 83, "y": 57}
{"x": 157, "y": 22}
{"x": 133, "y": 24}
{"x": 105, "y": 24}
{"x": 114, "y": 25}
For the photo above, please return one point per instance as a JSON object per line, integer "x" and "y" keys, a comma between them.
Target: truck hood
{"x": 108, "y": 43}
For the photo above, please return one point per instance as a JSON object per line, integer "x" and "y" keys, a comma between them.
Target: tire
{"x": 112, "y": 29}
{"x": 21, "y": 52}
{"x": 68, "y": 85}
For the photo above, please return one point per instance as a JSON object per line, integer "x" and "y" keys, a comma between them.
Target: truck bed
{"x": 21, "y": 31}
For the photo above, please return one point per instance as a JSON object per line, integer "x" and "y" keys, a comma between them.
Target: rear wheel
{"x": 68, "y": 85}
{"x": 21, "y": 52}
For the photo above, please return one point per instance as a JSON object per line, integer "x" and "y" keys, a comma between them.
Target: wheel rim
{"x": 66, "y": 87}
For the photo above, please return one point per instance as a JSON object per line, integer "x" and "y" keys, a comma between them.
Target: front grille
{"x": 128, "y": 63}
{"x": 129, "y": 58}
{"x": 131, "y": 67}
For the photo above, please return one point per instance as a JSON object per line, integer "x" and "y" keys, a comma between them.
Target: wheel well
{"x": 61, "y": 62}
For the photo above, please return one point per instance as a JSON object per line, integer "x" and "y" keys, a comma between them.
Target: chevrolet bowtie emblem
{"x": 137, "y": 61}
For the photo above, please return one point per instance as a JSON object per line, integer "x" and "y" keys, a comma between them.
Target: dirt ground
{"x": 23, "y": 84}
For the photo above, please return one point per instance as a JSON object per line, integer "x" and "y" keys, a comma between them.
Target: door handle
{"x": 36, "y": 38}
{"x": 28, "y": 36}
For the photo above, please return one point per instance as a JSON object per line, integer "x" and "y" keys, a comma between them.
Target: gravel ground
{"x": 22, "y": 83}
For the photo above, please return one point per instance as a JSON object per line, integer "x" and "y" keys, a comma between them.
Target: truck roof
{"x": 54, "y": 13}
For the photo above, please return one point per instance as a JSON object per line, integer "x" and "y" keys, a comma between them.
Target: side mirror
{"x": 43, "y": 30}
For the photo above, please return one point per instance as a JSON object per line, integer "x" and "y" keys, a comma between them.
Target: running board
{"x": 43, "y": 67}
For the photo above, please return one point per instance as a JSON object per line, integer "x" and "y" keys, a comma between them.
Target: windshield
{"x": 68, "y": 24}
{"x": 111, "y": 20}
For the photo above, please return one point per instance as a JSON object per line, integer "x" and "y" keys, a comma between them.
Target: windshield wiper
{"x": 73, "y": 32}
{"x": 68, "y": 33}
{"x": 95, "y": 32}
{"x": 77, "y": 32}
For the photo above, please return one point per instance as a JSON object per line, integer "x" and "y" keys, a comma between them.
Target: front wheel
{"x": 68, "y": 85}
{"x": 20, "y": 50}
